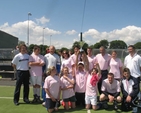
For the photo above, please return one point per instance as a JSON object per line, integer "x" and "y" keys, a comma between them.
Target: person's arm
{"x": 59, "y": 93}
{"x": 76, "y": 63}
{"x": 68, "y": 79}
{"x": 49, "y": 94}
{"x": 124, "y": 93}
{"x": 135, "y": 88}
{"x": 103, "y": 88}
{"x": 99, "y": 70}
{"x": 86, "y": 62}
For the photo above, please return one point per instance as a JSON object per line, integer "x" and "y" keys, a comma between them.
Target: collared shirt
{"x": 103, "y": 61}
{"x": 110, "y": 88}
{"x": 134, "y": 64}
{"x": 21, "y": 61}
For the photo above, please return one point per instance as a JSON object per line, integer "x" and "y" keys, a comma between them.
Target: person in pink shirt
{"x": 36, "y": 61}
{"x": 116, "y": 66}
{"x": 73, "y": 56}
{"x": 52, "y": 87}
{"x": 91, "y": 88}
{"x": 67, "y": 84}
{"x": 66, "y": 62}
{"x": 91, "y": 58}
{"x": 103, "y": 59}
{"x": 81, "y": 72}
{"x": 111, "y": 91}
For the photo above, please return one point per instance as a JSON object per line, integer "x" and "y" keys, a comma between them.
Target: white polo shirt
{"x": 134, "y": 64}
{"x": 52, "y": 60}
{"x": 21, "y": 61}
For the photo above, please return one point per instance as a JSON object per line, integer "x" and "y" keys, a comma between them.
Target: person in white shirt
{"x": 20, "y": 63}
{"x": 110, "y": 91}
{"x": 52, "y": 59}
{"x": 133, "y": 62}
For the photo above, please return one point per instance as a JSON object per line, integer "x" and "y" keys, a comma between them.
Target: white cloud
{"x": 35, "y": 31}
{"x": 42, "y": 20}
{"x": 72, "y": 32}
{"x": 129, "y": 34}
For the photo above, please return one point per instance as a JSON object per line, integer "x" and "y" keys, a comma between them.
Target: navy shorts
{"x": 52, "y": 104}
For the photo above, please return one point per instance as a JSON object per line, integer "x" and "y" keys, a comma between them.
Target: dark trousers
{"x": 104, "y": 74}
{"x": 22, "y": 78}
{"x": 80, "y": 98}
{"x": 127, "y": 106}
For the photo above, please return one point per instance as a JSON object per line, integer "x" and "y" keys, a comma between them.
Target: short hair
{"x": 114, "y": 51}
{"x": 76, "y": 46}
{"x": 21, "y": 46}
{"x": 111, "y": 74}
{"x": 126, "y": 70}
{"x": 89, "y": 48}
{"x": 132, "y": 46}
{"x": 36, "y": 47}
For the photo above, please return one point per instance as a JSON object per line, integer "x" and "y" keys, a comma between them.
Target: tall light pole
{"x": 43, "y": 36}
{"x": 29, "y": 14}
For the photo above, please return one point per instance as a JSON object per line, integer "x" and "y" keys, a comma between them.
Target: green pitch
{"x": 7, "y": 105}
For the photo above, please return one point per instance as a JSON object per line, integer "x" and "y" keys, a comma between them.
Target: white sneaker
{"x": 88, "y": 111}
{"x": 135, "y": 110}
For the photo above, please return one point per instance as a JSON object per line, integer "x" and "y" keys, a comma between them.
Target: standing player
{"x": 20, "y": 63}
{"x": 36, "y": 61}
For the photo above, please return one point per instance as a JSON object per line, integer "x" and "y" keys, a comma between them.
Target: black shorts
{"x": 71, "y": 99}
{"x": 52, "y": 104}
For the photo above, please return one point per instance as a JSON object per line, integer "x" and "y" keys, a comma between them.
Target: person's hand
{"x": 111, "y": 98}
{"x": 53, "y": 99}
{"x": 128, "y": 98}
{"x": 65, "y": 77}
{"x": 70, "y": 86}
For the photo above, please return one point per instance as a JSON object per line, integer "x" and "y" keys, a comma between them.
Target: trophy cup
{"x": 81, "y": 45}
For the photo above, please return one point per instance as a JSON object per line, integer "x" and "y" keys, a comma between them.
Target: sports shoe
{"x": 105, "y": 105}
{"x": 88, "y": 111}
{"x": 115, "y": 105}
{"x": 34, "y": 100}
{"x": 26, "y": 101}
{"x": 135, "y": 110}
{"x": 38, "y": 99}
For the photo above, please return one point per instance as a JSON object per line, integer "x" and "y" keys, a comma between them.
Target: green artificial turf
{"x": 7, "y": 105}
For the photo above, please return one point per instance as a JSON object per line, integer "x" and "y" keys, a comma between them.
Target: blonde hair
{"x": 49, "y": 70}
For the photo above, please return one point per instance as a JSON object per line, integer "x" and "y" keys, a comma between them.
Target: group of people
{"x": 79, "y": 77}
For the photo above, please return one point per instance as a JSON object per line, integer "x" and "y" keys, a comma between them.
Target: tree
{"x": 21, "y": 42}
{"x": 138, "y": 45}
{"x": 104, "y": 43}
{"x": 118, "y": 44}
{"x": 97, "y": 45}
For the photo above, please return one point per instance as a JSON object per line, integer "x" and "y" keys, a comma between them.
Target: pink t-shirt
{"x": 73, "y": 59}
{"x": 53, "y": 84}
{"x": 65, "y": 83}
{"x": 115, "y": 65}
{"x": 67, "y": 63}
{"x": 81, "y": 79}
{"x": 36, "y": 70}
{"x": 103, "y": 61}
{"x": 110, "y": 88}
{"x": 91, "y": 62}
{"x": 91, "y": 90}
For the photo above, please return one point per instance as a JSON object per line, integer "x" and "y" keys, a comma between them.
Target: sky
{"x": 59, "y": 22}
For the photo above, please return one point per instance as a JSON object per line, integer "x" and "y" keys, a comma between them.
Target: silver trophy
{"x": 81, "y": 43}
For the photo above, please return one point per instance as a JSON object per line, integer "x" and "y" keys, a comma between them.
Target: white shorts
{"x": 91, "y": 100}
{"x": 36, "y": 80}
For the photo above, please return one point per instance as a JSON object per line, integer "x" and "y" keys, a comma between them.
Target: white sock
{"x": 38, "y": 91}
{"x": 34, "y": 91}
